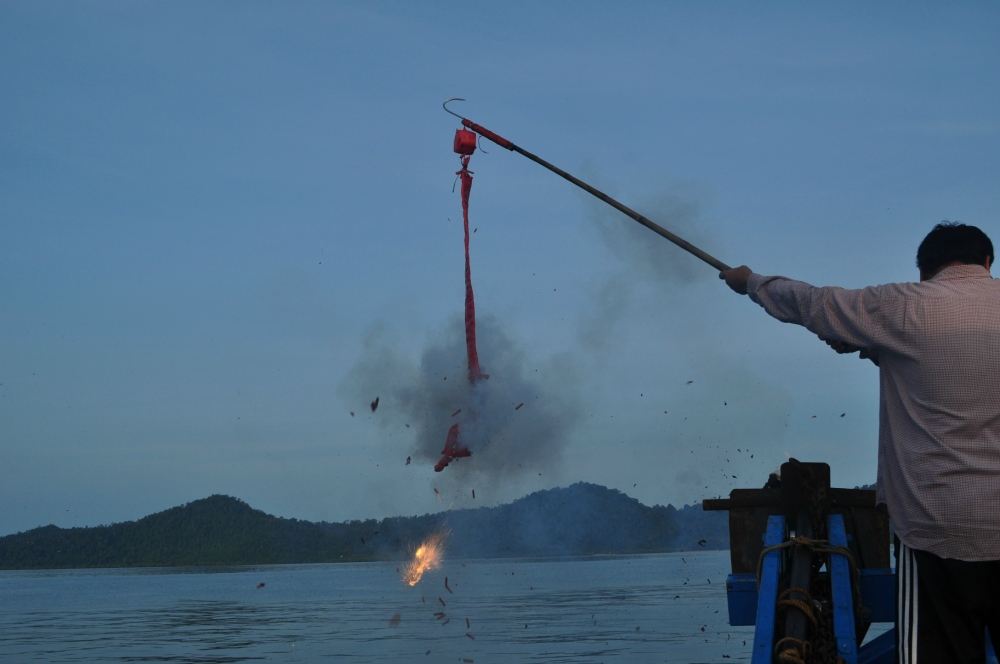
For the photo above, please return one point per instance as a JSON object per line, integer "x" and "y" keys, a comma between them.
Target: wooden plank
{"x": 746, "y": 532}
{"x": 869, "y": 529}
{"x": 772, "y": 498}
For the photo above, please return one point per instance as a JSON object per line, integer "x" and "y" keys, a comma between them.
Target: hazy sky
{"x": 225, "y": 226}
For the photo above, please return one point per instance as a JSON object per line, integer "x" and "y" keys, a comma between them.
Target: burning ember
{"x": 427, "y": 557}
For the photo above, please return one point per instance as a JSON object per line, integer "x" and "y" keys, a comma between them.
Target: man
{"x": 937, "y": 346}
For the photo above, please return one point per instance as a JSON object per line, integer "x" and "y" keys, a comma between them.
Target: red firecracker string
{"x": 470, "y": 302}
{"x": 465, "y": 145}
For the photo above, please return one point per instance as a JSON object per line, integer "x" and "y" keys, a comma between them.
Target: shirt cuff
{"x": 754, "y": 284}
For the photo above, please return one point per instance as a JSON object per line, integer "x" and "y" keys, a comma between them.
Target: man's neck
{"x": 925, "y": 277}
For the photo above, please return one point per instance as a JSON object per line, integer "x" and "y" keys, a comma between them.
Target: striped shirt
{"x": 938, "y": 347}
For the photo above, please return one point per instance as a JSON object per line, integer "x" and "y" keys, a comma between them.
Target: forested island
{"x": 582, "y": 519}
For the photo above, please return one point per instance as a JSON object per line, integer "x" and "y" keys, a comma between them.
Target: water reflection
{"x": 634, "y": 609}
{"x": 176, "y": 634}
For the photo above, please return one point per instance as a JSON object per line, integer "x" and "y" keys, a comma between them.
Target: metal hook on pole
{"x": 444, "y": 105}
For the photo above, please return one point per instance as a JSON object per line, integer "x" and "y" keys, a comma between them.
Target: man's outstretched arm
{"x": 836, "y": 315}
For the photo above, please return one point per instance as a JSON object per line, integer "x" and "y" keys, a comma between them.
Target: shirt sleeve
{"x": 854, "y": 317}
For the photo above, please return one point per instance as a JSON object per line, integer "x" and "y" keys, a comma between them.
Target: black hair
{"x": 949, "y": 242}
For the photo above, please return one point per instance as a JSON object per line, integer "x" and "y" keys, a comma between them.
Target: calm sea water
{"x": 657, "y": 608}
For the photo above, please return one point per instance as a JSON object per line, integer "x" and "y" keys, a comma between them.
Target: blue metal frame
{"x": 767, "y": 593}
{"x": 880, "y": 650}
{"x": 750, "y": 604}
{"x": 840, "y": 592}
{"x": 878, "y": 595}
{"x": 741, "y": 596}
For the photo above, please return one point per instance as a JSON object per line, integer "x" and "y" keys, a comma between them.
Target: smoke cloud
{"x": 639, "y": 247}
{"x": 516, "y": 421}
{"x": 521, "y": 420}
{"x": 730, "y": 403}
{"x": 645, "y": 261}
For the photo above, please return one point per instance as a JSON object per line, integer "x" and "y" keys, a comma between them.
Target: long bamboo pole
{"x": 621, "y": 207}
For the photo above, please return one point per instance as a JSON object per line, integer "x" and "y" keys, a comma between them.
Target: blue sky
{"x": 207, "y": 210}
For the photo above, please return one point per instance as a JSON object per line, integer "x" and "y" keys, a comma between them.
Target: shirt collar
{"x": 961, "y": 272}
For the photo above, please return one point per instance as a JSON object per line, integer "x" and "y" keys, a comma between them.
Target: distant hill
{"x": 582, "y": 519}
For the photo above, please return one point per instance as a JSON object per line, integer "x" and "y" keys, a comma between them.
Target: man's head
{"x": 951, "y": 244}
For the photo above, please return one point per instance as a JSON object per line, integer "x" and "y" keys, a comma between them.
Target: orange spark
{"x": 426, "y": 557}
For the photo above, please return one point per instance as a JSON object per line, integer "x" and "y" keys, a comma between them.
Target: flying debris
{"x": 689, "y": 382}
{"x": 261, "y": 585}
{"x": 702, "y": 542}
{"x": 408, "y": 460}
{"x": 446, "y": 586}
{"x": 374, "y": 404}
{"x": 456, "y": 412}
{"x": 452, "y": 450}
{"x": 394, "y": 621}
{"x": 518, "y": 406}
